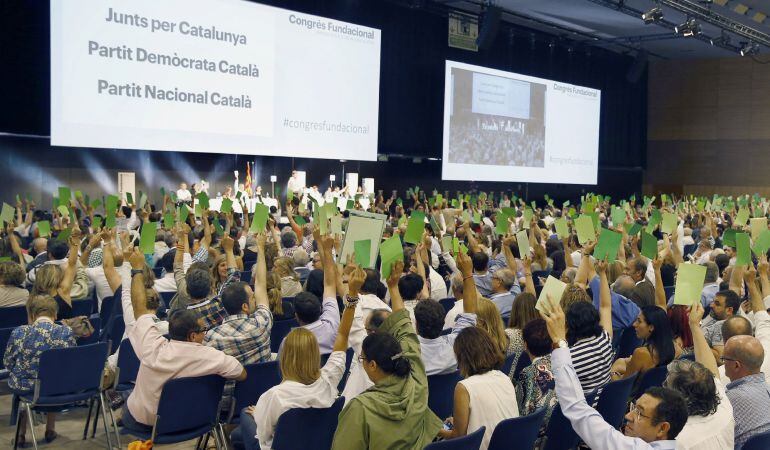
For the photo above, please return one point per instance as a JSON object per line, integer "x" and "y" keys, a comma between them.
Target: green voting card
{"x": 111, "y": 204}
{"x": 65, "y": 195}
{"x": 562, "y": 229}
{"x": 502, "y": 225}
{"x": 203, "y": 200}
{"x": 363, "y": 251}
{"x": 142, "y": 199}
{"x": 585, "y": 229}
{"x": 64, "y": 235}
{"x": 608, "y": 245}
{"x": 109, "y": 221}
{"x": 762, "y": 243}
{"x": 259, "y": 222}
{"x": 227, "y": 206}
{"x": 415, "y": 228}
{"x": 649, "y": 245}
{"x": 6, "y": 215}
{"x": 44, "y": 228}
{"x": 742, "y": 217}
{"x": 618, "y": 216}
{"x": 669, "y": 223}
{"x": 147, "y": 238}
{"x": 63, "y": 211}
{"x": 391, "y": 251}
{"x": 689, "y": 283}
{"x": 129, "y": 198}
{"x": 455, "y": 245}
{"x": 336, "y": 224}
{"x": 97, "y": 223}
{"x": 550, "y": 295}
{"x": 446, "y": 243}
{"x": 523, "y": 242}
{"x": 758, "y": 225}
{"x": 168, "y": 220}
{"x": 633, "y": 228}
{"x": 434, "y": 226}
{"x": 184, "y": 213}
{"x": 743, "y": 249}
{"x": 728, "y": 237}
{"x": 300, "y": 220}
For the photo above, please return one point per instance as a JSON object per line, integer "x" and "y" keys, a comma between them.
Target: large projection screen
{"x": 225, "y": 76}
{"x": 503, "y": 126}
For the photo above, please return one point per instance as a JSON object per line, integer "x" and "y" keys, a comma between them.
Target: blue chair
{"x": 317, "y": 424}
{"x": 13, "y": 316}
{"x": 188, "y": 409}
{"x": 81, "y": 307}
{"x": 158, "y": 271}
{"x": 669, "y": 290}
{"x": 441, "y": 391}
{"x": 113, "y": 332}
{"x": 521, "y": 364}
{"x": 520, "y": 431}
{"x": 165, "y": 298}
{"x": 349, "y": 353}
{"x": 560, "y": 435}
{"x": 689, "y": 249}
{"x": 506, "y": 369}
{"x": 5, "y": 336}
{"x": 67, "y": 376}
{"x": 128, "y": 367}
{"x": 628, "y": 343}
{"x": 260, "y": 378}
{"x": 537, "y": 274}
{"x": 613, "y": 401}
{"x": 448, "y": 303}
{"x": 245, "y": 277}
{"x": 469, "y": 442}
{"x": 106, "y": 310}
{"x": 280, "y": 329}
{"x": 760, "y": 441}
{"x": 653, "y": 377}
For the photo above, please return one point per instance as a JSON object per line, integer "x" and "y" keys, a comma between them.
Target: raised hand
{"x": 395, "y": 273}
{"x": 695, "y": 314}
{"x": 355, "y": 281}
{"x": 464, "y": 264}
{"x": 227, "y": 244}
{"x": 136, "y": 259}
{"x": 555, "y": 322}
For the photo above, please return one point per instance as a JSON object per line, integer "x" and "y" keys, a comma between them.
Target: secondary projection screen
{"x": 225, "y": 76}
{"x": 503, "y": 126}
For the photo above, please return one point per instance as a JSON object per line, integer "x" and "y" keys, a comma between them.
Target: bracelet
{"x": 350, "y": 302}
{"x": 468, "y": 277}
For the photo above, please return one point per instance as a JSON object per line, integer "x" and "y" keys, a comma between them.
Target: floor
{"x": 69, "y": 426}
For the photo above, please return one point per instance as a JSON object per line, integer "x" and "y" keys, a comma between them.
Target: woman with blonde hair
{"x": 305, "y": 383}
{"x": 488, "y": 319}
{"x": 281, "y": 309}
{"x": 52, "y": 280}
{"x": 219, "y": 272}
{"x": 290, "y": 285}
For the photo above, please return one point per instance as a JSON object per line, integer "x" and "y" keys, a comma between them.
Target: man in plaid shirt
{"x": 209, "y": 307}
{"x": 245, "y": 333}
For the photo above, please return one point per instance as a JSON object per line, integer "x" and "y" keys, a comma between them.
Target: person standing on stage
{"x": 295, "y": 184}
{"x": 182, "y": 194}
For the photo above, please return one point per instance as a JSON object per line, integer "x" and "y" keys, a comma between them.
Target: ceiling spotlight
{"x": 749, "y": 48}
{"x": 723, "y": 39}
{"x": 653, "y": 15}
{"x": 688, "y": 29}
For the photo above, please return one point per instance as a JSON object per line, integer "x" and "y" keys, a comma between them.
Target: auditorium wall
{"x": 709, "y": 127}
{"x": 414, "y": 49}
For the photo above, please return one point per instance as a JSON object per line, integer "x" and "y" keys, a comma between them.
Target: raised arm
{"x": 420, "y": 266}
{"x": 529, "y": 281}
{"x": 330, "y": 283}
{"x": 736, "y": 280}
{"x": 703, "y": 353}
{"x": 396, "y": 302}
{"x": 660, "y": 292}
{"x": 114, "y": 280}
{"x": 65, "y": 287}
{"x": 206, "y": 241}
{"x": 605, "y": 298}
{"x": 15, "y": 248}
{"x": 762, "y": 267}
{"x": 355, "y": 282}
{"x": 93, "y": 241}
{"x": 260, "y": 279}
{"x": 470, "y": 295}
{"x": 138, "y": 295}
{"x": 755, "y": 297}
{"x": 585, "y": 269}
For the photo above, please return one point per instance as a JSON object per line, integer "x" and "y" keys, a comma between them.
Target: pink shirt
{"x": 163, "y": 360}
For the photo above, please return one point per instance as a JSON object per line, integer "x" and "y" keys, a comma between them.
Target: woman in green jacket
{"x": 394, "y": 413}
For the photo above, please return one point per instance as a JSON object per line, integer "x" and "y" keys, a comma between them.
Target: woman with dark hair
{"x": 394, "y": 412}
{"x": 522, "y": 312}
{"x": 680, "y": 329}
{"x": 315, "y": 282}
{"x": 653, "y": 327}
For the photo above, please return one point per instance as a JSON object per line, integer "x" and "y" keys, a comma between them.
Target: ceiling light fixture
{"x": 749, "y": 48}
{"x": 689, "y": 28}
{"x": 652, "y": 16}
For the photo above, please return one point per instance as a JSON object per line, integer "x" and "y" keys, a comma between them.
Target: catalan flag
{"x": 247, "y": 182}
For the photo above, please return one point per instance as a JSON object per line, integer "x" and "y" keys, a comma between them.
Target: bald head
{"x": 40, "y": 244}
{"x": 748, "y": 351}
{"x": 736, "y": 326}
{"x": 624, "y": 286}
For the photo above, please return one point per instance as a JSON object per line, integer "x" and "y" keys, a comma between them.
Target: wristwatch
{"x": 136, "y": 272}
{"x": 350, "y": 302}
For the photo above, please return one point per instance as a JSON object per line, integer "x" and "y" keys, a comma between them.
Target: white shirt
{"x": 101, "y": 286}
{"x": 492, "y": 400}
{"x": 165, "y": 284}
{"x": 451, "y": 316}
{"x": 437, "y": 285}
{"x": 358, "y": 381}
{"x": 292, "y": 394}
{"x": 183, "y": 195}
{"x": 714, "y": 432}
{"x": 761, "y": 321}
{"x": 438, "y": 354}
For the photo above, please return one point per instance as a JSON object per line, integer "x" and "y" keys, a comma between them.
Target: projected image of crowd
{"x": 497, "y": 141}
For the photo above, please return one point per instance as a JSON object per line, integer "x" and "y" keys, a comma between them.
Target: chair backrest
{"x": 560, "y": 434}
{"x": 317, "y": 424}
{"x": 653, "y": 377}
{"x": 166, "y": 297}
{"x": 538, "y": 274}
{"x": 114, "y": 333}
{"x": 521, "y": 431}
{"x": 96, "y": 322}
{"x": 260, "y": 377}
{"x": 158, "y": 272}
{"x": 189, "y": 404}
{"x": 508, "y": 363}
{"x": 441, "y": 390}
{"x": 246, "y": 276}
{"x": 628, "y": 343}
{"x": 448, "y": 303}
{"x": 13, "y": 316}
{"x": 82, "y": 307}
{"x": 5, "y": 336}
{"x": 613, "y": 401}
{"x": 280, "y": 329}
{"x": 689, "y": 249}
{"x": 71, "y": 370}
{"x": 128, "y": 363}
{"x": 105, "y": 311}
{"x": 521, "y": 364}
{"x": 759, "y": 441}
{"x": 468, "y": 442}
{"x": 669, "y": 291}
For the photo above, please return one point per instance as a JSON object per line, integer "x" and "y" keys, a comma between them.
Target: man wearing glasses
{"x": 653, "y": 422}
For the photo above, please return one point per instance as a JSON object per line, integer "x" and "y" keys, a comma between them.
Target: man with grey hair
{"x": 456, "y": 285}
{"x": 710, "y": 284}
{"x": 748, "y": 393}
{"x": 301, "y": 260}
{"x": 504, "y": 291}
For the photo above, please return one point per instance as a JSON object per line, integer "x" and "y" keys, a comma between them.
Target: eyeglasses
{"x": 361, "y": 358}
{"x": 725, "y": 358}
{"x": 638, "y": 413}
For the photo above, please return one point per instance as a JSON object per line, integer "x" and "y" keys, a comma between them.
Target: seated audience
{"x": 535, "y": 384}
{"x": 11, "y": 281}
{"x": 456, "y": 285}
{"x": 290, "y": 285}
{"x": 522, "y": 313}
{"x": 653, "y": 328}
{"x": 26, "y": 344}
{"x": 56, "y": 280}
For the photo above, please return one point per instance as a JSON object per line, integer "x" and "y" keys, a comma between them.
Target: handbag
{"x": 80, "y": 325}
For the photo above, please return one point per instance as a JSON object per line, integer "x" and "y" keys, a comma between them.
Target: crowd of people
{"x": 229, "y": 283}
{"x": 497, "y": 144}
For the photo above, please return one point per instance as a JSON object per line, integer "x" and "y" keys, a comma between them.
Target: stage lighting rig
{"x": 749, "y": 48}
{"x": 652, "y": 16}
{"x": 689, "y": 28}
